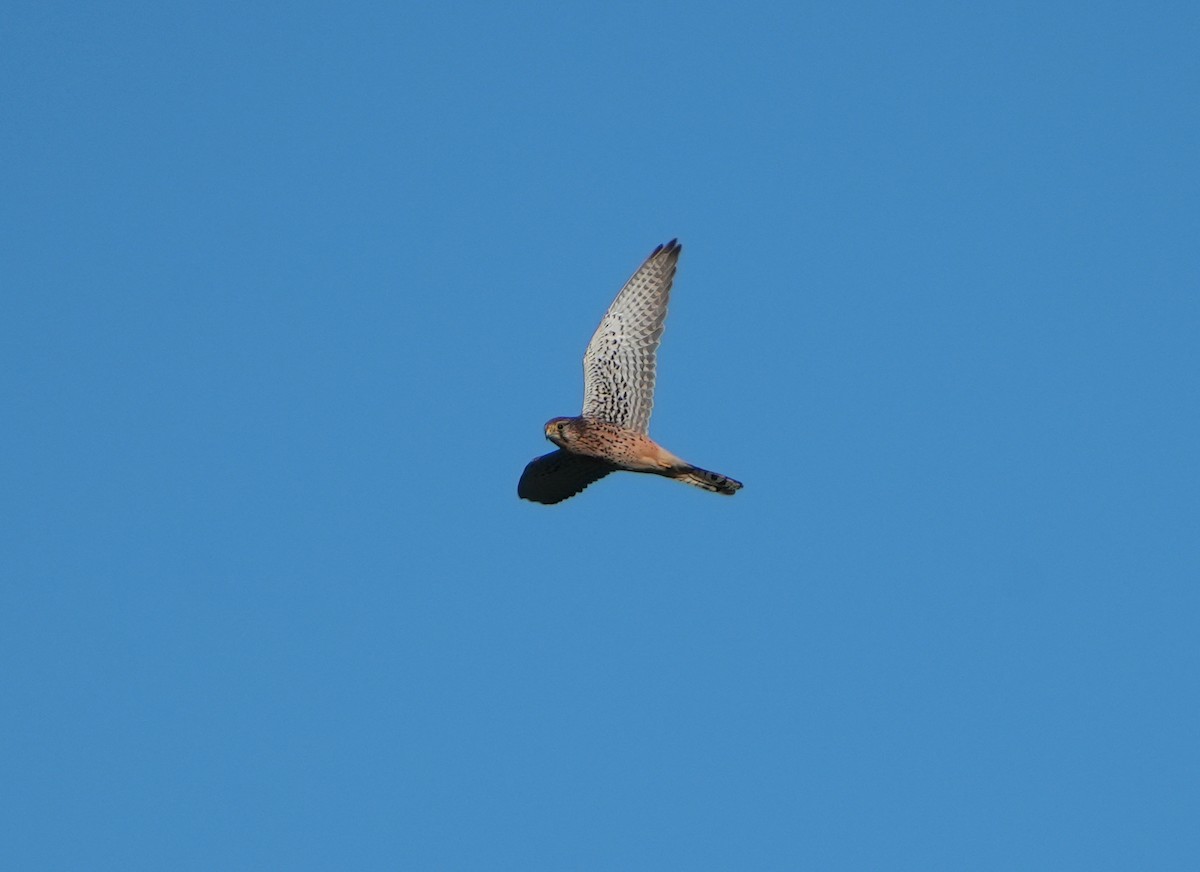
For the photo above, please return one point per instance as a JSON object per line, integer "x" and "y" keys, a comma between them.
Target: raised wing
{"x": 553, "y": 477}
{"x": 618, "y": 367}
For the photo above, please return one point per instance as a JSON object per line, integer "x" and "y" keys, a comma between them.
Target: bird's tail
{"x": 709, "y": 481}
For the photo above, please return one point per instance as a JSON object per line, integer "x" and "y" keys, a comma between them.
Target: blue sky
{"x": 289, "y": 291}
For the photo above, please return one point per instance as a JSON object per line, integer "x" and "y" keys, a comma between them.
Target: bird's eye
{"x": 560, "y": 426}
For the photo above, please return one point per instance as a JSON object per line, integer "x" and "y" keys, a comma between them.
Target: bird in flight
{"x": 618, "y": 394}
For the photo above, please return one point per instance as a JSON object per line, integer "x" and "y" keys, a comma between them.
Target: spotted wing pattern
{"x": 558, "y": 475}
{"x": 618, "y": 367}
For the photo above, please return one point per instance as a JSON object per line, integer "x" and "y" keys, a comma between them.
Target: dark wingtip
{"x": 671, "y": 249}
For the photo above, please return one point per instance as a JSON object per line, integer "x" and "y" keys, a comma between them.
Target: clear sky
{"x": 289, "y": 290}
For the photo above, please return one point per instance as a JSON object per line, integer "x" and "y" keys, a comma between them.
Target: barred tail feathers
{"x": 709, "y": 481}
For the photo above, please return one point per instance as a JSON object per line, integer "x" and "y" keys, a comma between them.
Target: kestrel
{"x": 618, "y": 393}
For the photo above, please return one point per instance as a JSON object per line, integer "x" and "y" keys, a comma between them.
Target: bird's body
{"x": 619, "y": 368}
{"x": 629, "y": 449}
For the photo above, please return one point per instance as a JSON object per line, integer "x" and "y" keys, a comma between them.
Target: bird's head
{"x": 560, "y": 431}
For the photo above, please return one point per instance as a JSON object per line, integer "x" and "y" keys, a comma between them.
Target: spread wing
{"x": 553, "y": 477}
{"x": 618, "y": 367}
